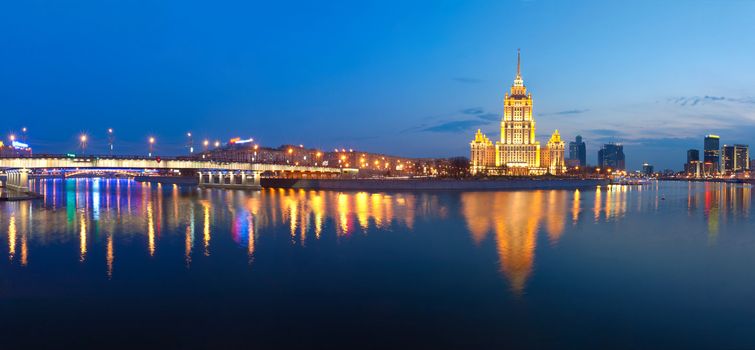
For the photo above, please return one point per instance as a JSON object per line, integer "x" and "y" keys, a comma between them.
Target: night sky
{"x": 407, "y": 78}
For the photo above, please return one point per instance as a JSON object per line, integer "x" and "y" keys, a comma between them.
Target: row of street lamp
{"x": 151, "y": 142}
{"x": 84, "y": 138}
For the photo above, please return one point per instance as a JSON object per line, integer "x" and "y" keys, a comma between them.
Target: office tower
{"x": 578, "y": 151}
{"x": 736, "y": 158}
{"x": 692, "y": 166}
{"x": 611, "y": 156}
{"x": 712, "y": 155}
{"x": 647, "y": 169}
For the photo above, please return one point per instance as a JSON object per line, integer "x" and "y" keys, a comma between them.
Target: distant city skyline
{"x": 409, "y": 79}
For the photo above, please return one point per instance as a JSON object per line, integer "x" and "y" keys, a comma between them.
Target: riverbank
{"x": 432, "y": 184}
{"x": 403, "y": 184}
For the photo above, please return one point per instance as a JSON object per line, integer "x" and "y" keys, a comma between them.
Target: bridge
{"x": 210, "y": 173}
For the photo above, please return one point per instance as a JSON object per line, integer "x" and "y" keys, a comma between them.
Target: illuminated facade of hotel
{"x": 483, "y": 153}
{"x": 518, "y": 152}
{"x": 552, "y": 158}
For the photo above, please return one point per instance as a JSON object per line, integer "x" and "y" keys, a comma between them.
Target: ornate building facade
{"x": 518, "y": 151}
{"x": 553, "y": 155}
{"x": 483, "y": 154}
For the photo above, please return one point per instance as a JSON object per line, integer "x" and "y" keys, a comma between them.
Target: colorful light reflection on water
{"x": 493, "y": 267}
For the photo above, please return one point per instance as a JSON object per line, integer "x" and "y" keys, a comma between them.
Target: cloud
{"x": 606, "y": 132}
{"x": 479, "y": 112}
{"x": 471, "y": 117}
{"x": 690, "y": 101}
{"x": 455, "y": 126}
{"x": 468, "y": 80}
{"x": 489, "y": 116}
{"x": 669, "y": 142}
{"x": 567, "y": 112}
{"x": 473, "y": 110}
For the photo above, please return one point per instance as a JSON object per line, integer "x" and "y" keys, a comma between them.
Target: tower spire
{"x": 518, "y": 80}
{"x": 518, "y": 63}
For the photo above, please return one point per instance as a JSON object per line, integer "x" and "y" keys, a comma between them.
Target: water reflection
{"x": 99, "y": 216}
{"x": 516, "y": 218}
{"x": 108, "y": 212}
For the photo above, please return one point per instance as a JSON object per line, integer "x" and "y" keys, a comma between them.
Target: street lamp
{"x": 217, "y": 144}
{"x": 151, "y": 145}
{"x": 12, "y": 138}
{"x": 83, "y": 143}
{"x": 190, "y": 142}
{"x": 206, "y": 143}
{"x": 23, "y": 134}
{"x": 110, "y": 139}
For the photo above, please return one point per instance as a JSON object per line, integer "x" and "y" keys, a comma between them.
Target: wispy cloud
{"x": 690, "y": 101}
{"x": 606, "y": 132}
{"x": 479, "y": 112}
{"x": 489, "y": 117}
{"x": 567, "y": 112}
{"x": 473, "y": 110}
{"x": 455, "y": 126}
{"x": 459, "y": 121}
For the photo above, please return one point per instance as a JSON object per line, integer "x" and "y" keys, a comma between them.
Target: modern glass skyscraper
{"x": 611, "y": 156}
{"x": 578, "y": 151}
{"x": 712, "y": 154}
{"x": 692, "y": 167}
{"x": 693, "y": 155}
{"x": 736, "y": 158}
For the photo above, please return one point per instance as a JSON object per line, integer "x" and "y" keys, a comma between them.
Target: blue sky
{"x": 401, "y": 77}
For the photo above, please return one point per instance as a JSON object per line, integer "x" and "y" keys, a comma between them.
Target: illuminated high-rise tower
{"x": 712, "y": 155}
{"x": 518, "y": 150}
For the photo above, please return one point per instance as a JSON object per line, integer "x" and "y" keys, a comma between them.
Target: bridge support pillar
{"x": 253, "y": 182}
{"x": 248, "y": 180}
{"x": 18, "y": 180}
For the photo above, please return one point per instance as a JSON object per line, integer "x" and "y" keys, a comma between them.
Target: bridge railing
{"x": 221, "y": 160}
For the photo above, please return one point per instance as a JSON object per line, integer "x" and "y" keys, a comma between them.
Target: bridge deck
{"x": 108, "y": 162}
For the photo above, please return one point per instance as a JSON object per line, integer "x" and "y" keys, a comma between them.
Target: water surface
{"x": 116, "y": 262}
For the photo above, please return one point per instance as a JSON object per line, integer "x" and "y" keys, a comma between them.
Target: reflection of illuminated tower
{"x": 518, "y": 150}
{"x": 515, "y": 218}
